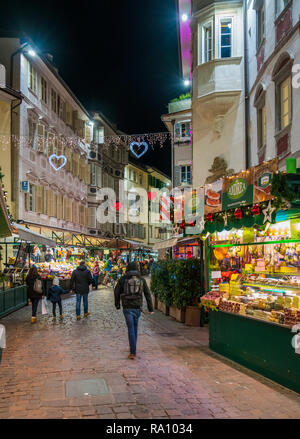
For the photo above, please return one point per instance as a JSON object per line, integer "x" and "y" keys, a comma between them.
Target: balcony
{"x": 175, "y": 107}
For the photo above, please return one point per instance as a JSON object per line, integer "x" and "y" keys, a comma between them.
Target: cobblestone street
{"x": 175, "y": 375}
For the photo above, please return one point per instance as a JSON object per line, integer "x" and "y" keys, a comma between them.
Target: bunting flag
{"x": 165, "y": 215}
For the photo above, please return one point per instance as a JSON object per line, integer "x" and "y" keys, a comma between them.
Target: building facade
{"x": 274, "y": 88}
{"x": 218, "y": 97}
{"x": 178, "y": 122}
{"x": 107, "y": 166}
{"x": 50, "y": 121}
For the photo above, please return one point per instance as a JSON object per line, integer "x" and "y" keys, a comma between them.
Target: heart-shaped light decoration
{"x": 138, "y": 154}
{"x": 55, "y": 158}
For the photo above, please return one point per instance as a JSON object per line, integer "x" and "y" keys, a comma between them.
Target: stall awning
{"x": 5, "y": 228}
{"x": 30, "y": 236}
{"x": 165, "y": 244}
{"x": 136, "y": 243}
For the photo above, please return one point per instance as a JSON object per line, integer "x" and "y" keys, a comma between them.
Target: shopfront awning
{"x": 165, "y": 244}
{"x": 34, "y": 237}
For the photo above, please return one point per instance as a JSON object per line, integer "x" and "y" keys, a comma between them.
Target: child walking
{"x": 54, "y": 295}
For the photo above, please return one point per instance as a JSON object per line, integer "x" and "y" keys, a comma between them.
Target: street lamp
{"x": 186, "y": 82}
{"x": 184, "y": 17}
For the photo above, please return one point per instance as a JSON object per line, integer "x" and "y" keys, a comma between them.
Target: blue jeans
{"x": 85, "y": 303}
{"x": 96, "y": 278}
{"x": 35, "y": 303}
{"x": 132, "y": 319}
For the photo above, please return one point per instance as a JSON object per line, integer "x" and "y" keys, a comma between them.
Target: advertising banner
{"x": 262, "y": 181}
{"x": 238, "y": 190}
{"x": 213, "y": 197}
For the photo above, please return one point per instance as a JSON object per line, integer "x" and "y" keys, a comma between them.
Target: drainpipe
{"x": 246, "y": 86}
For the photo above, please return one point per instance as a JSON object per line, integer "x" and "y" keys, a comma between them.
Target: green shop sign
{"x": 236, "y": 193}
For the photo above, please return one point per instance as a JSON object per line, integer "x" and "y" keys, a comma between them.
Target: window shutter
{"x": 74, "y": 120}
{"x": 26, "y": 202}
{"x": 51, "y": 140}
{"x": 88, "y": 134}
{"x": 177, "y": 176}
{"x": 68, "y": 114}
{"x": 86, "y": 216}
{"x": 39, "y": 199}
{"x": 177, "y": 130}
{"x": 40, "y": 137}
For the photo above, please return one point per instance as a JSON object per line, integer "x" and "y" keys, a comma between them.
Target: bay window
{"x": 207, "y": 39}
{"x": 226, "y": 38}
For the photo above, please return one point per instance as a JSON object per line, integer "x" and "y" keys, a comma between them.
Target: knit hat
{"x": 56, "y": 281}
{"x": 132, "y": 266}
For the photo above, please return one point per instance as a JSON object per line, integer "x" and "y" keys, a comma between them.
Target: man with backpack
{"x": 80, "y": 282}
{"x": 130, "y": 289}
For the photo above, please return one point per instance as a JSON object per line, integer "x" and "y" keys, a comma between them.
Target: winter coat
{"x": 82, "y": 279}
{"x": 30, "y": 283}
{"x": 96, "y": 270}
{"x": 136, "y": 303}
{"x": 55, "y": 292}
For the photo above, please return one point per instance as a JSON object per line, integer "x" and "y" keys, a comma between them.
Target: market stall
{"x": 254, "y": 285}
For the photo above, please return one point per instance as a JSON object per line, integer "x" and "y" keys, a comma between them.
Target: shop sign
{"x": 238, "y": 190}
{"x": 213, "y": 197}
{"x": 106, "y": 252}
{"x": 25, "y": 186}
{"x": 263, "y": 175}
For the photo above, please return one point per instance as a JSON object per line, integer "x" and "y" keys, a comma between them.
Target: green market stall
{"x": 253, "y": 298}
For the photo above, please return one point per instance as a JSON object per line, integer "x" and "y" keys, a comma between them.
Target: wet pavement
{"x": 79, "y": 369}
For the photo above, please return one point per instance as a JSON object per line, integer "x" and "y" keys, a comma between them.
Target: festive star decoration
{"x": 201, "y": 223}
{"x": 268, "y": 211}
{"x": 225, "y": 219}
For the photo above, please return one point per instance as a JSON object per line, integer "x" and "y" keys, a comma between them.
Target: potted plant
{"x": 187, "y": 291}
{"x": 160, "y": 286}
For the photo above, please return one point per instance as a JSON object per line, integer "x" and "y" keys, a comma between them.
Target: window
{"x": 226, "y": 38}
{"x": 186, "y": 174}
{"x": 285, "y": 103}
{"x": 130, "y": 174}
{"x": 100, "y": 135}
{"x": 207, "y": 45}
{"x": 141, "y": 179}
{"x": 185, "y": 129}
{"x": 134, "y": 176}
{"x": 260, "y": 23}
{"x": 262, "y": 132}
{"x": 45, "y": 201}
{"x": 92, "y": 220}
{"x": 93, "y": 175}
{"x": 32, "y": 78}
{"x": 44, "y": 90}
{"x": 54, "y": 105}
{"x": 280, "y": 5}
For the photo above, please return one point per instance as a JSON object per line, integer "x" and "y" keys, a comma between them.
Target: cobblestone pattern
{"x": 175, "y": 375}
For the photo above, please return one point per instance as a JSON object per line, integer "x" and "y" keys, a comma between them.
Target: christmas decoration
{"x": 255, "y": 210}
{"x": 238, "y": 213}
{"x": 141, "y": 146}
{"x": 209, "y": 217}
{"x": 53, "y": 159}
{"x": 268, "y": 213}
{"x": 202, "y": 224}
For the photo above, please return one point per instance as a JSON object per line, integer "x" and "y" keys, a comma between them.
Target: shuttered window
{"x": 92, "y": 217}
{"x": 81, "y": 215}
{"x": 51, "y": 143}
{"x": 39, "y": 199}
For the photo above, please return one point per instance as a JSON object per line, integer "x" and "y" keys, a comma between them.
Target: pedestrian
{"x": 107, "y": 269}
{"x": 34, "y": 290}
{"x": 54, "y": 295}
{"x": 96, "y": 274}
{"x": 130, "y": 289}
{"x": 80, "y": 282}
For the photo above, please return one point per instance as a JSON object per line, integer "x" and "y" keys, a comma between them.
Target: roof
{"x": 12, "y": 92}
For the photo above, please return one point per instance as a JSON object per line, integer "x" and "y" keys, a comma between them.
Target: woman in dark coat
{"x": 34, "y": 296}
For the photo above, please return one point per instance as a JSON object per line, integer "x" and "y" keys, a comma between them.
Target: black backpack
{"x": 133, "y": 288}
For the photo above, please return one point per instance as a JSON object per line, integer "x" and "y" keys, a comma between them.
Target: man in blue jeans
{"x": 130, "y": 290}
{"x": 82, "y": 279}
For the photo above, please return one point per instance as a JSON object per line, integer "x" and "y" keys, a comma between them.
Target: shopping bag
{"x": 2, "y": 337}
{"x": 45, "y": 308}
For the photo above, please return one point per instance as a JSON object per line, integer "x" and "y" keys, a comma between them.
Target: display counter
{"x": 12, "y": 299}
{"x": 264, "y": 347}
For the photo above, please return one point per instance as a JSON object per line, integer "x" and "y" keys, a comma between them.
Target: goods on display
{"x": 260, "y": 280}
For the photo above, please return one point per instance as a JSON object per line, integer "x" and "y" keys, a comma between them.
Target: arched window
{"x": 260, "y": 104}
{"x": 282, "y": 77}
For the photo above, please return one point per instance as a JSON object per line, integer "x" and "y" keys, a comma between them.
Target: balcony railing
{"x": 182, "y": 105}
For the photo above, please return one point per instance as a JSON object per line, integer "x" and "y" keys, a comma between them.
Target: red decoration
{"x": 209, "y": 217}
{"x": 151, "y": 195}
{"x": 238, "y": 213}
{"x": 255, "y": 210}
{"x": 182, "y": 225}
{"x": 118, "y": 206}
{"x": 191, "y": 223}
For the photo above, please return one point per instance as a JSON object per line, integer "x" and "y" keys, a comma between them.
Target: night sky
{"x": 119, "y": 57}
